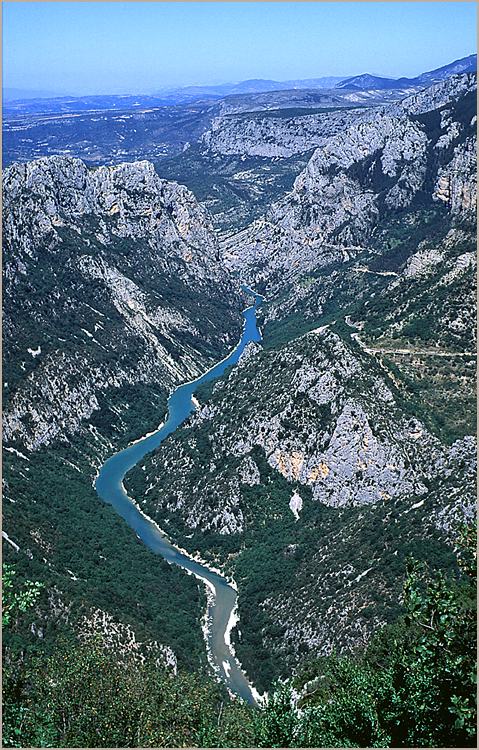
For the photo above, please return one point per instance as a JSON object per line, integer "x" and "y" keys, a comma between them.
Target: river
{"x": 109, "y": 486}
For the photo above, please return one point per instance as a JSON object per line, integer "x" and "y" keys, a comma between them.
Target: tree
{"x": 16, "y": 601}
{"x": 435, "y": 675}
{"x": 415, "y": 685}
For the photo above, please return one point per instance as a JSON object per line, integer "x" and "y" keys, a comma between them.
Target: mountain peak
{"x": 366, "y": 81}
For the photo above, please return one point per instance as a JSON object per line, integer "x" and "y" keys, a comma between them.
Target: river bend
{"x": 109, "y": 486}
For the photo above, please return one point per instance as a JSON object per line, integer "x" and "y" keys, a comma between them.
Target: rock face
{"x": 128, "y": 201}
{"x": 273, "y": 136}
{"x": 116, "y": 250}
{"x": 398, "y": 157}
{"x": 456, "y": 181}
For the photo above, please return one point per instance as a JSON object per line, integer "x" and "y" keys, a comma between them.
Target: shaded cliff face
{"x": 113, "y": 294}
{"x": 111, "y": 278}
{"x": 410, "y": 155}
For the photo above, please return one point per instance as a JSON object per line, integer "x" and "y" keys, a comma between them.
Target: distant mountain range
{"x": 367, "y": 81}
{"x": 182, "y": 95}
{"x": 15, "y": 94}
{"x": 253, "y": 86}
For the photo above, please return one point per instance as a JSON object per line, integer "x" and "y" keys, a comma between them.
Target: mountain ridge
{"x": 366, "y": 80}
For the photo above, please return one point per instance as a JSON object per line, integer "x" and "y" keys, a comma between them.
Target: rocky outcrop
{"x": 423, "y": 262}
{"x": 127, "y": 201}
{"x": 275, "y": 135}
{"x": 389, "y": 159}
{"x": 456, "y": 181}
{"x": 120, "y": 638}
{"x": 100, "y": 264}
{"x": 442, "y": 94}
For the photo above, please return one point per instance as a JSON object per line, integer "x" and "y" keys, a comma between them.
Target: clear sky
{"x": 95, "y": 47}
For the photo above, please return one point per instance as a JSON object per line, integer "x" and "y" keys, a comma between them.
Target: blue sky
{"x": 89, "y": 47}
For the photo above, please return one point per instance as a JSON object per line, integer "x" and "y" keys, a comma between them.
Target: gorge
{"x": 315, "y": 450}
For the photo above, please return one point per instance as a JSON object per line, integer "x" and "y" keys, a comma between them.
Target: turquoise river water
{"x": 109, "y": 486}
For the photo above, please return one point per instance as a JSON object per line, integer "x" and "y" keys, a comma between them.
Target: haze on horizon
{"x": 128, "y": 47}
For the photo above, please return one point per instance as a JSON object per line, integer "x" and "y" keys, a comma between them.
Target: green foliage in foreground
{"x": 84, "y": 697}
{"x": 413, "y": 686}
{"x": 14, "y": 602}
